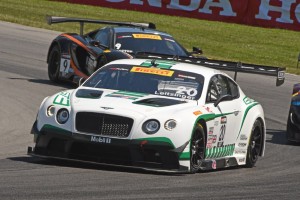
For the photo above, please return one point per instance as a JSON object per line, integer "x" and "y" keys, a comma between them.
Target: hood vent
{"x": 90, "y": 94}
{"x": 159, "y": 102}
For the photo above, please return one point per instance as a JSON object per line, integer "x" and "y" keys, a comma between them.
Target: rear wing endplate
{"x": 278, "y": 72}
{"x": 54, "y": 19}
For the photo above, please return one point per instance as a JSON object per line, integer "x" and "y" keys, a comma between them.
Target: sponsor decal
{"x": 106, "y": 51}
{"x": 198, "y": 112}
{"x": 124, "y": 36}
{"x": 99, "y": 139}
{"x": 159, "y": 63}
{"x": 241, "y": 159}
{"x": 146, "y": 36}
{"x": 236, "y": 113}
{"x": 248, "y": 101}
{"x": 184, "y": 76}
{"x": 126, "y": 51}
{"x": 155, "y": 71}
{"x": 223, "y": 120}
{"x": 106, "y": 108}
{"x": 243, "y": 137}
{"x": 240, "y": 151}
{"x": 242, "y": 144}
{"x": 214, "y": 164}
{"x": 63, "y": 98}
{"x": 216, "y": 123}
{"x": 220, "y": 144}
{"x": 212, "y": 138}
{"x": 208, "y": 109}
{"x": 118, "y": 69}
{"x": 211, "y": 131}
{"x": 126, "y": 95}
{"x": 174, "y": 94}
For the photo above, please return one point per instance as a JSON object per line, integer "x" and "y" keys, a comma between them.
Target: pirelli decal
{"x": 146, "y": 36}
{"x": 62, "y": 98}
{"x": 147, "y": 70}
{"x": 217, "y": 152}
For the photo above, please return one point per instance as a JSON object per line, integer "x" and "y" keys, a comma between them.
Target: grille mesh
{"x": 103, "y": 124}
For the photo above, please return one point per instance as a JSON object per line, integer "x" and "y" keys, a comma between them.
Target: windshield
{"x": 152, "y": 43}
{"x": 141, "y": 79}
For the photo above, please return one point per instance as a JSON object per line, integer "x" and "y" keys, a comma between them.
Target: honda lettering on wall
{"x": 265, "y": 13}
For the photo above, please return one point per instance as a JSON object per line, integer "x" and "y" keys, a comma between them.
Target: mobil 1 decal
{"x": 222, "y": 131}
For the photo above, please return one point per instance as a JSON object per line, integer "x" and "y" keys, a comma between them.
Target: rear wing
{"x": 278, "y": 72}
{"x": 55, "y": 19}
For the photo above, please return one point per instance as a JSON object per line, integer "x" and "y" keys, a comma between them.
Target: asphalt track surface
{"x": 24, "y": 84}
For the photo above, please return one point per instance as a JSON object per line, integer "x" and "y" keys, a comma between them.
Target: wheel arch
{"x": 261, "y": 153}
{"x": 62, "y": 44}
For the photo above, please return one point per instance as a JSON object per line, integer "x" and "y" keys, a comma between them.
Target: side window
{"x": 234, "y": 90}
{"x": 103, "y": 37}
{"x": 218, "y": 87}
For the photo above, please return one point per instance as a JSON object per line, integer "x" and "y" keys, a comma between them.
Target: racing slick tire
{"x": 197, "y": 148}
{"x": 255, "y": 144}
{"x": 54, "y": 64}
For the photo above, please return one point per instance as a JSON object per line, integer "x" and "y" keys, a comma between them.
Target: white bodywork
{"x": 232, "y": 120}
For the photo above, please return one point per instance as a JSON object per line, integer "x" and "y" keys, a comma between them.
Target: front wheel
{"x": 255, "y": 144}
{"x": 54, "y": 64}
{"x": 197, "y": 148}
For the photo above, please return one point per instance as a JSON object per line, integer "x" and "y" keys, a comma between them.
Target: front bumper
{"x": 146, "y": 154}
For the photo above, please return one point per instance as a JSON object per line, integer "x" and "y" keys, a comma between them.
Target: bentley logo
{"x": 107, "y": 108}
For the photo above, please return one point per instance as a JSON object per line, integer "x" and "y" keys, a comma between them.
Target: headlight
{"x": 170, "y": 124}
{"x": 151, "y": 126}
{"x": 62, "y": 116}
{"x": 50, "y": 110}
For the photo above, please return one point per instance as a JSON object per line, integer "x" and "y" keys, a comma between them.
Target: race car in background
{"x": 155, "y": 114}
{"x": 72, "y": 56}
{"x": 293, "y": 123}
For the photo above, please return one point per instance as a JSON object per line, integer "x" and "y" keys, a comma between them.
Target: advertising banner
{"x": 266, "y": 13}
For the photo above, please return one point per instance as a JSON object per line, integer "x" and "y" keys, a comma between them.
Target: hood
{"x": 113, "y": 101}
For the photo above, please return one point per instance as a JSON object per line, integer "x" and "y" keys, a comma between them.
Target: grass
{"x": 274, "y": 47}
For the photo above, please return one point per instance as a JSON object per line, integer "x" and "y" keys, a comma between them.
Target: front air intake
{"x": 103, "y": 124}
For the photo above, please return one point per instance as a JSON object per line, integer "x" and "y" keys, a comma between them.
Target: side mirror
{"x": 226, "y": 97}
{"x": 197, "y": 50}
{"x": 95, "y": 43}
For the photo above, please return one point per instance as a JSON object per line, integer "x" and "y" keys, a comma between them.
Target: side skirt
{"x": 219, "y": 163}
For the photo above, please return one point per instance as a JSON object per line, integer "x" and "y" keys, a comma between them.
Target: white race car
{"x": 153, "y": 114}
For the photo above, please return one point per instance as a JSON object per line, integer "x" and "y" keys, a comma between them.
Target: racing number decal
{"x": 190, "y": 92}
{"x": 64, "y": 65}
{"x": 222, "y": 131}
{"x": 118, "y": 46}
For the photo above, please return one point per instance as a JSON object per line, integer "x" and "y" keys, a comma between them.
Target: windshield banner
{"x": 266, "y": 13}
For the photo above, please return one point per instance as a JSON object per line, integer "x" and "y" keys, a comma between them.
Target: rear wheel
{"x": 197, "y": 148}
{"x": 54, "y": 64}
{"x": 255, "y": 144}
